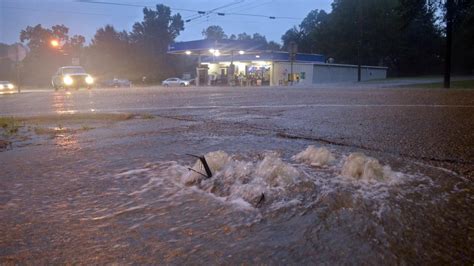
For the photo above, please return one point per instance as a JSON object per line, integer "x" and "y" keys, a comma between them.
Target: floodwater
{"x": 124, "y": 193}
{"x": 259, "y": 207}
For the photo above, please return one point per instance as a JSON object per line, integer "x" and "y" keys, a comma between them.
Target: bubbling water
{"x": 364, "y": 168}
{"x": 266, "y": 180}
{"x": 236, "y": 179}
{"x": 315, "y": 156}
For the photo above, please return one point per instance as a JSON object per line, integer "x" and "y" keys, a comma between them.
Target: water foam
{"x": 236, "y": 179}
{"x": 364, "y": 168}
{"x": 315, "y": 156}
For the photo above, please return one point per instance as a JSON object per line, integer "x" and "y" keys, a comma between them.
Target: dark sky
{"x": 85, "y": 18}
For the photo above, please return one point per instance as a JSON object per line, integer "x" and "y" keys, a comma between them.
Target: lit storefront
{"x": 246, "y": 63}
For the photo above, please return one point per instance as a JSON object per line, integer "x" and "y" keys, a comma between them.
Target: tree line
{"x": 406, "y": 36}
{"x": 111, "y": 53}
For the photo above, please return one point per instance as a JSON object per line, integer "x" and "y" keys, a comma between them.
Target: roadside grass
{"x": 63, "y": 123}
{"x": 17, "y": 129}
{"x": 458, "y": 84}
{"x": 147, "y": 116}
{"x": 78, "y": 118}
{"x": 9, "y": 125}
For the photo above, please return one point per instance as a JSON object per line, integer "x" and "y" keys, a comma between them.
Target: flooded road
{"x": 300, "y": 176}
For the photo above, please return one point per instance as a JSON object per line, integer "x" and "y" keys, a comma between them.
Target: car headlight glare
{"x": 89, "y": 80}
{"x": 68, "y": 80}
{"x": 10, "y": 86}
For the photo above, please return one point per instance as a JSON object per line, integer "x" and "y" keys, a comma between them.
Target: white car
{"x": 6, "y": 87}
{"x": 175, "y": 82}
{"x": 71, "y": 77}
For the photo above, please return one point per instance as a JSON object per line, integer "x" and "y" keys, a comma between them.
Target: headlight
{"x": 89, "y": 80}
{"x": 68, "y": 80}
{"x": 10, "y": 86}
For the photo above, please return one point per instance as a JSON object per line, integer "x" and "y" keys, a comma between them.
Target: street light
{"x": 54, "y": 43}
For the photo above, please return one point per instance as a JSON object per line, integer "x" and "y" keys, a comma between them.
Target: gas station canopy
{"x": 211, "y": 47}
{"x": 236, "y": 50}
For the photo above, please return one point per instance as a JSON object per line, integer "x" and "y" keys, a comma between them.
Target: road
{"x": 75, "y": 179}
{"x": 435, "y": 125}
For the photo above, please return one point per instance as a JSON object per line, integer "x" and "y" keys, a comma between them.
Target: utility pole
{"x": 293, "y": 50}
{"x": 449, "y": 43}
{"x": 17, "y": 59}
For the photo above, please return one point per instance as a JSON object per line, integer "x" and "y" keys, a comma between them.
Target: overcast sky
{"x": 85, "y": 18}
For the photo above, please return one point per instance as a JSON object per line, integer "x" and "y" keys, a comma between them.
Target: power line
{"x": 200, "y": 13}
{"x": 249, "y": 6}
{"x": 131, "y": 5}
{"x": 204, "y": 13}
{"x": 54, "y": 11}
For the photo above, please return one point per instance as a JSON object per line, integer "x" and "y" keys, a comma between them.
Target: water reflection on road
{"x": 123, "y": 193}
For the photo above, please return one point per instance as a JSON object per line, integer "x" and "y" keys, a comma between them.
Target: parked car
{"x": 175, "y": 82}
{"x": 72, "y": 77}
{"x": 6, "y": 87}
{"x": 117, "y": 83}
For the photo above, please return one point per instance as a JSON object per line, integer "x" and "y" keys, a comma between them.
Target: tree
{"x": 110, "y": 53}
{"x": 257, "y": 37}
{"x": 373, "y": 32}
{"x": 150, "y": 40}
{"x": 214, "y": 33}
{"x": 43, "y": 59}
{"x": 6, "y": 65}
{"x": 291, "y": 35}
{"x": 456, "y": 17}
{"x": 243, "y": 37}
{"x": 217, "y": 33}
{"x": 273, "y": 46}
{"x": 463, "y": 38}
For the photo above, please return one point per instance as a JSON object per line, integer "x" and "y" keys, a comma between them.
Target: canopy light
{"x": 241, "y": 52}
{"x": 214, "y": 52}
{"x": 257, "y": 56}
{"x": 188, "y": 52}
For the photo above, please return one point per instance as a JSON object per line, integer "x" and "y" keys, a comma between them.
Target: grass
{"x": 45, "y": 125}
{"x": 10, "y": 125}
{"x": 76, "y": 118}
{"x": 459, "y": 84}
{"x": 147, "y": 116}
{"x": 86, "y": 128}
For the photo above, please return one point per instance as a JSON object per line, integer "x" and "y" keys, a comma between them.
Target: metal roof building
{"x": 248, "y": 63}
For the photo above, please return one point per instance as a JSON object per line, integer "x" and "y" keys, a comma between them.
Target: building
{"x": 246, "y": 63}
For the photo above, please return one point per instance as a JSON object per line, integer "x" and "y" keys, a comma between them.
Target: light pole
{"x": 54, "y": 43}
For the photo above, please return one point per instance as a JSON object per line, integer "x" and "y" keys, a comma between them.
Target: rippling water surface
{"x": 318, "y": 205}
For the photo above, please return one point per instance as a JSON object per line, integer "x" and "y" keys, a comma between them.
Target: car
{"x": 175, "y": 82}
{"x": 72, "y": 77}
{"x": 117, "y": 83}
{"x": 6, "y": 87}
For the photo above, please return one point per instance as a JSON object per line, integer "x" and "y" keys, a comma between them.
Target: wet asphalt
{"x": 436, "y": 126}
{"x": 54, "y": 186}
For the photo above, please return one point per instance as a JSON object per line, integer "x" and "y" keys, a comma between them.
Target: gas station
{"x": 248, "y": 63}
